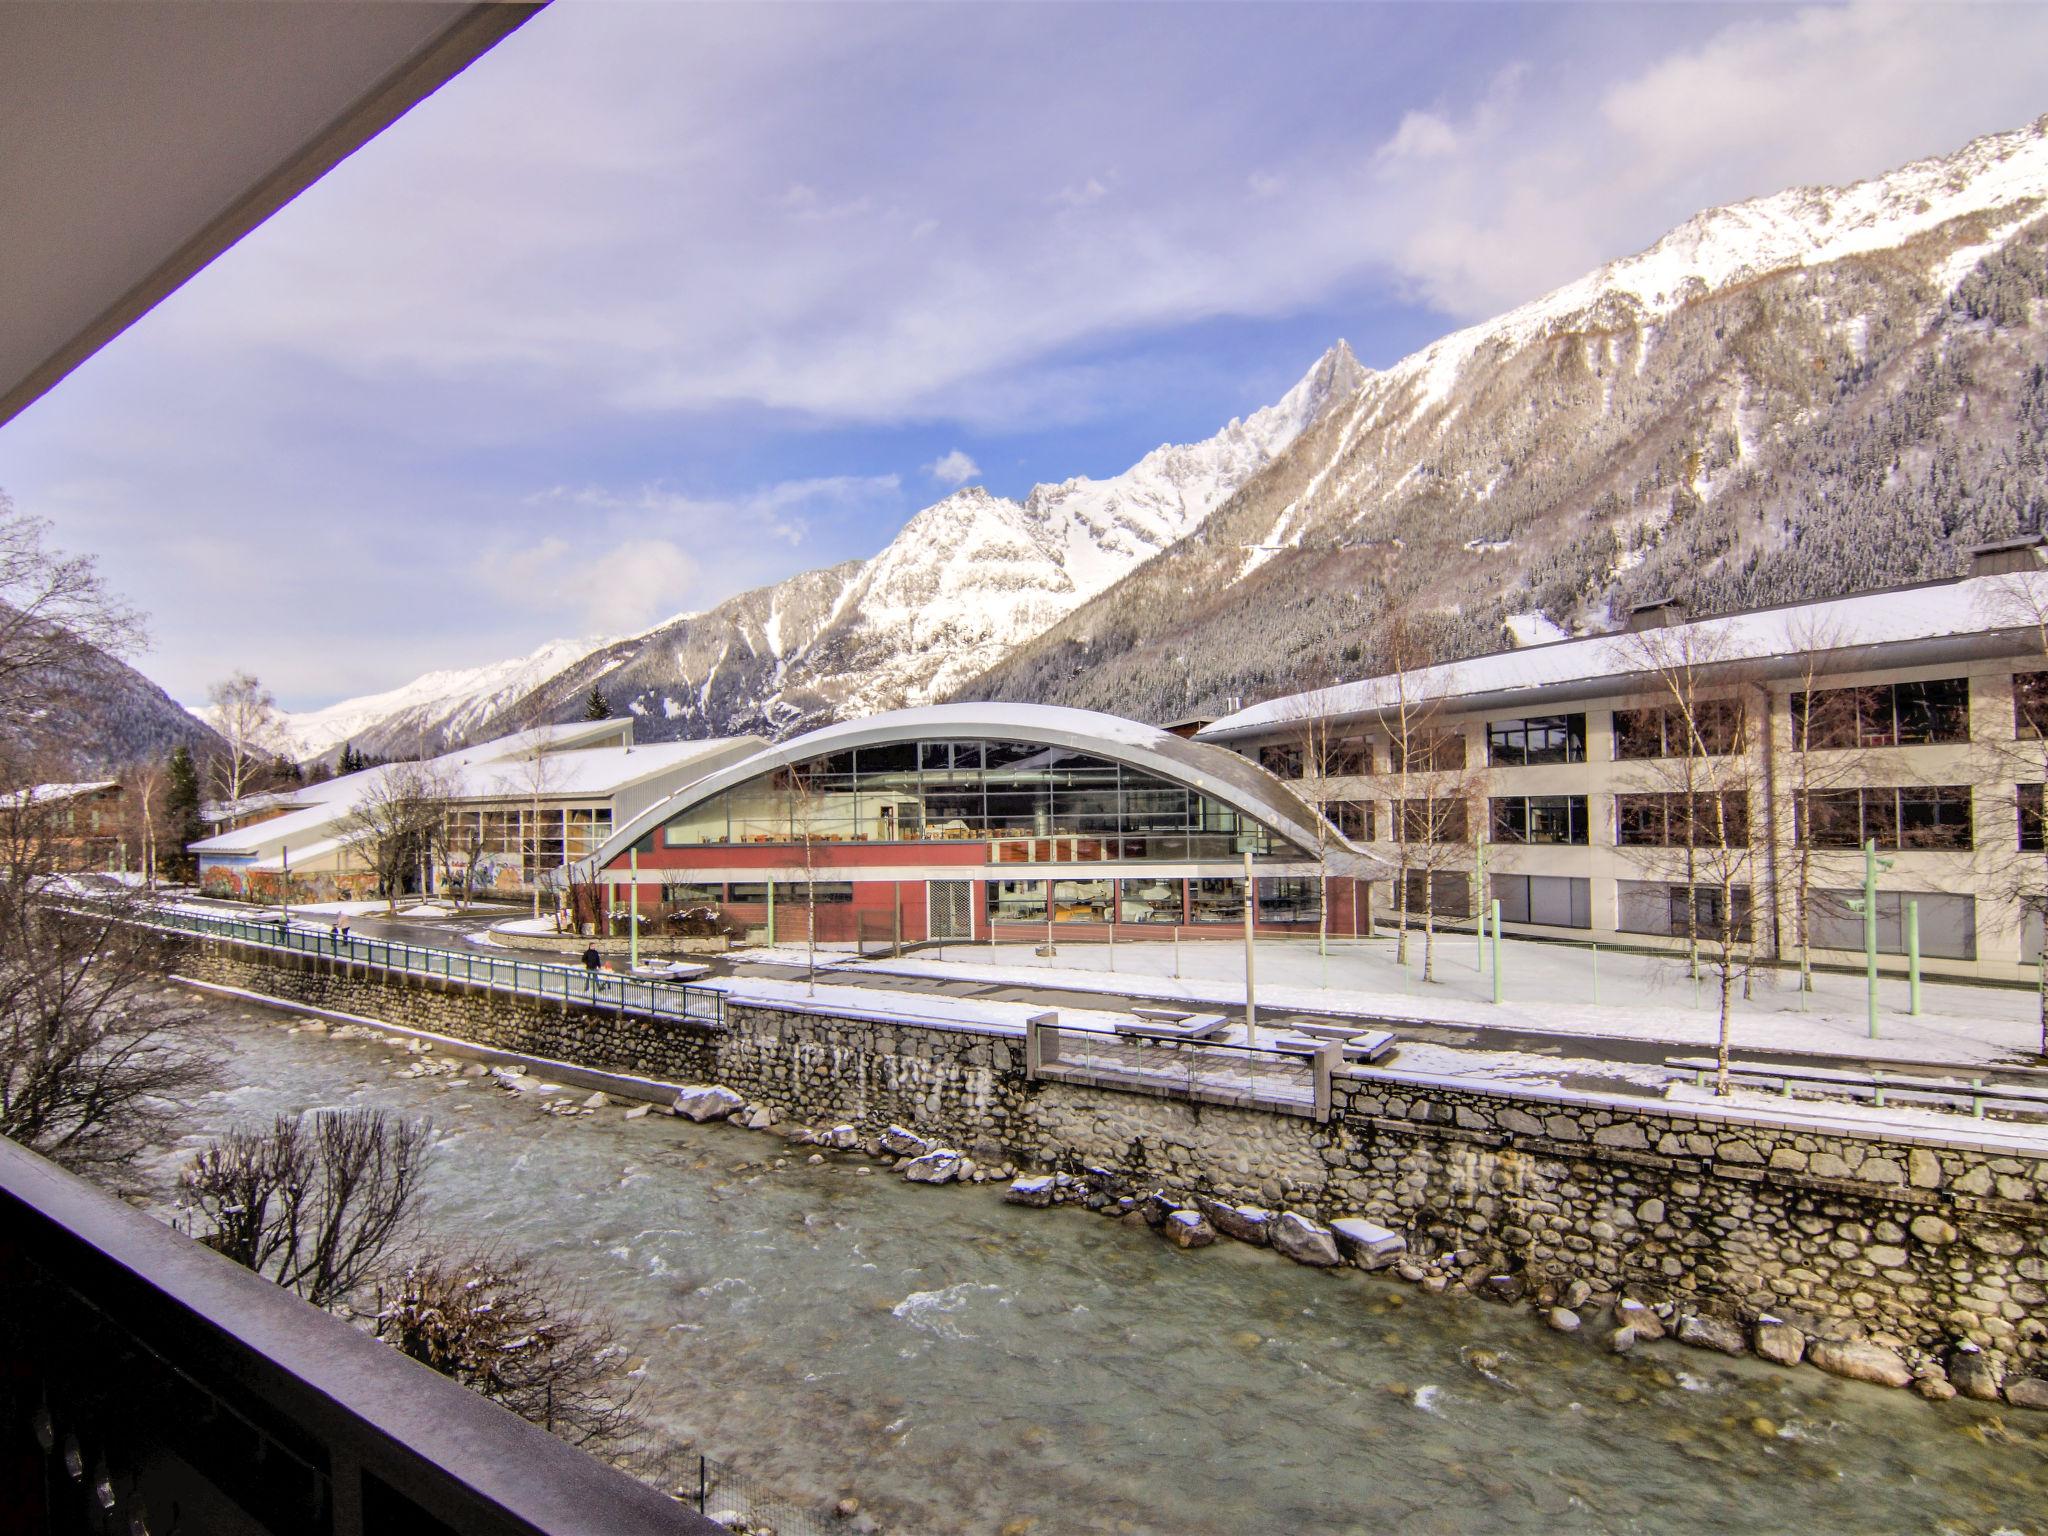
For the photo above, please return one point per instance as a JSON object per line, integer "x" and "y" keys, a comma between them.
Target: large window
{"x": 1555, "y": 901}
{"x": 2029, "y": 797}
{"x": 1948, "y": 923}
{"x": 1883, "y": 715}
{"x": 533, "y": 839}
{"x": 793, "y": 892}
{"x": 1432, "y": 751}
{"x": 1915, "y": 817}
{"x": 1445, "y": 892}
{"x": 1538, "y": 819}
{"x": 1281, "y": 759}
{"x": 1679, "y": 820}
{"x": 1292, "y": 899}
{"x": 1034, "y": 803}
{"x": 1656, "y": 906}
{"x": 1712, "y": 728}
{"x": 1354, "y": 818}
{"x": 1432, "y": 819}
{"x": 1538, "y": 739}
{"x": 2030, "y": 704}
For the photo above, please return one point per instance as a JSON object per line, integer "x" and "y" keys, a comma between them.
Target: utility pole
{"x": 1251, "y": 997}
{"x": 633, "y": 912}
{"x": 1866, "y": 905}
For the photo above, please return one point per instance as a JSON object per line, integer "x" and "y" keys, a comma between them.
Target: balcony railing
{"x": 527, "y": 978}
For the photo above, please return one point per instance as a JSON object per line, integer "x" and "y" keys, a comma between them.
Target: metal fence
{"x": 527, "y": 978}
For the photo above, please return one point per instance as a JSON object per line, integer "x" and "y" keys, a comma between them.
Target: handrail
{"x": 569, "y": 984}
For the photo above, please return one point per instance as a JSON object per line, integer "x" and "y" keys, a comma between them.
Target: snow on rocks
{"x": 1247, "y": 1223}
{"x": 706, "y": 1101}
{"x": 1038, "y": 1191}
{"x": 939, "y": 1167}
{"x": 1366, "y": 1243}
{"x": 1189, "y": 1229}
{"x": 901, "y": 1142}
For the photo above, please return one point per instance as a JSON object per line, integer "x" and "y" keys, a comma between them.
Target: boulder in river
{"x": 1038, "y": 1191}
{"x": 1974, "y": 1374}
{"x": 1860, "y": 1360}
{"x": 706, "y": 1101}
{"x": 1562, "y": 1320}
{"x": 1367, "y": 1244}
{"x": 1639, "y": 1319}
{"x": 1189, "y": 1229}
{"x": 1247, "y": 1223}
{"x": 904, "y": 1142}
{"x": 1305, "y": 1241}
{"x": 638, "y": 1111}
{"x": 2027, "y": 1392}
{"x": 1779, "y": 1342}
{"x": 841, "y": 1138}
{"x": 1703, "y": 1332}
{"x": 939, "y": 1167}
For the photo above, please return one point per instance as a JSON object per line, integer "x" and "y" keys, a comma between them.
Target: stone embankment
{"x": 1888, "y": 1255}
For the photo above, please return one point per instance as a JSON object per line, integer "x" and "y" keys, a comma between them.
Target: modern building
{"x": 1608, "y": 788}
{"x": 973, "y": 821}
{"x": 519, "y": 809}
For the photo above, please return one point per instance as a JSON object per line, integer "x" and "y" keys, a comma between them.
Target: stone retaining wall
{"x": 1847, "y": 1233}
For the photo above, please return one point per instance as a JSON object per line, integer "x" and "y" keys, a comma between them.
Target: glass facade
{"x": 532, "y": 839}
{"x": 1031, "y": 802}
{"x": 1888, "y": 714}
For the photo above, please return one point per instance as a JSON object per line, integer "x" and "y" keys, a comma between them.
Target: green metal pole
{"x": 1495, "y": 906}
{"x": 1913, "y": 958}
{"x": 771, "y": 911}
{"x": 1479, "y": 874}
{"x": 633, "y": 912}
{"x": 1870, "y": 930}
{"x": 1596, "y": 975}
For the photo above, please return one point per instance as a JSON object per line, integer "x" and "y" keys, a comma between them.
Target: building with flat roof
{"x": 1610, "y": 787}
{"x": 977, "y": 821}
{"x": 519, "y": 810}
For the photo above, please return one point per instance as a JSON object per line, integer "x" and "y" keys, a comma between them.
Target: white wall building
{"x": 1928, "y": 706}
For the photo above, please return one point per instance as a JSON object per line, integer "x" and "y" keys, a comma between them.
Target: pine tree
{"x": 351, "y": 759}
{"x": 181, "y": 806}
{"x": 594, "y": 707}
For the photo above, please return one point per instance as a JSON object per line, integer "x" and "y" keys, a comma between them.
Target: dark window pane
{"x": 1881, "y": 817}
{"x": 2029, "y": 796}
{"x": 1935, "y": 710}
{"x": 1509, "y": 819}
{"x": 1936, "y": 816}
{"x": 1639, "y": 821}
{"x": 2030, "y": 704}
{"x": 1638, "y": 733}
{"x": 894, "y": 757}
{"x": 1833, "y": 818}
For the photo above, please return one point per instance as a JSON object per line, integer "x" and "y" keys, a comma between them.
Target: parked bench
{"x": 1162, "y": 1015}
{"x": 1365, "y": 1046}
{"x": 1203, "y": 1026}
{"x": 1880, "y": 1083}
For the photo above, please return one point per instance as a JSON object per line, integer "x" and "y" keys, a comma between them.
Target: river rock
{"x": 841, "y": 1138}
{"x": 1507, "y": 1288}
{"x": 2027, "y": 1392}
{"x": 1038, "y": 1191}
{"x": 1367, "y": 1244}
{"x": 1157, "y": 1207}
{"x": 597, "y": 1101}
{"x": 1934, "y": 1386}
{"x": 1247, "y": 1223}
{"x": 759, "y": 1118}
{"x": 904, "y": 1142}
{"x": 1779, "y": 1342}
{"x": 704, "y": 1101}
{"x": 1562, "y": 1320}
{"x": 1703, "y": 1332}
{"x": 1622, "y": 1340}
{"x": 940, "y": 1167}
{"x": 1860, "y": 1360}
{"x": 1189, "y": 1229}
{"x": 1639, "y": 1320}
{"x": 1305, "y": 1241}
{"x": 638, "y": 1111}
{"x": 1974, "y": 1374}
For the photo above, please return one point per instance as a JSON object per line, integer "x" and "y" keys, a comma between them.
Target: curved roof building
{"x": 951, "y": 820}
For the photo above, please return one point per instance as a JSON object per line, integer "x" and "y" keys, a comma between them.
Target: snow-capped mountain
{"x": 964, "y": 582}
{"x": 425, "y": 714}
{"x": 1811, "y": 392}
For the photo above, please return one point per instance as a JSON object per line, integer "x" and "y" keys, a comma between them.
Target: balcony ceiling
{"x": 139, "y": 140}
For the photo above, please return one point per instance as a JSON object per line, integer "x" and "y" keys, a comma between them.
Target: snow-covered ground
{"x": 1549, "y": 988}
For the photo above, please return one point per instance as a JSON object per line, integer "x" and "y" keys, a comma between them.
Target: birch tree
{"x": 245, "y": 717}
{"x": 2019, "y": 601}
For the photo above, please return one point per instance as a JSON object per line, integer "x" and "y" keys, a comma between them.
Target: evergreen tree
{"x": 181, "y": 807}
{"x": 351, "y": 760}
{"x": 594, "y": 707}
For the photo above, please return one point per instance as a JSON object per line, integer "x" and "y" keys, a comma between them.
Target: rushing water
{"x": 966, "y": 1366}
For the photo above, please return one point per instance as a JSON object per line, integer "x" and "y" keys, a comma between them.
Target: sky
{"x": 656, "y": 303}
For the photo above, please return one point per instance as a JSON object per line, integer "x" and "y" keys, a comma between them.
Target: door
{"x": 949, "y": 909}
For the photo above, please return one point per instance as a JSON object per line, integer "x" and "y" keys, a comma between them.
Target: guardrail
{"x": 526, "y": 978}
{"x": 1291, "y": 1082}
{"x": 2015, "y": 1101}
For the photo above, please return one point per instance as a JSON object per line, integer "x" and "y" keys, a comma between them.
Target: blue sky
{"x": 656, "y": 303}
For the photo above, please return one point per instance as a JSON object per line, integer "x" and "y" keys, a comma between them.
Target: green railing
{"x": 527, "y": 978}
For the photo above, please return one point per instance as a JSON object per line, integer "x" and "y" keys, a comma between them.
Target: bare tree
{"x": 97, "y": 1057}
{"x": 1820, "y": 762}
{"x": 1437, "y": 827}
{"x": 508, "y": 1330}
{"x": 245, "y": 716}
{"x": 1693, "y": 741}
{"x": 1319, "y": 753}
{"x": 57, "y": 624}
{"x": 318, "y": 1207}
{"x": 396, "y": 822}
{"x": 806, "y": 807}
{"x": 1426, "y": 761}
{"x": 2019, "y": 601}
{"x": 533, "y": 777}
{"x": 145, "y": 788}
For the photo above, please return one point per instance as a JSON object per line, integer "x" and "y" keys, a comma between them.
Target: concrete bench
{"x": 1202, "y": 1026}
{"x": 1162, "y": 1015}
{"x": 1366, "y": 1047}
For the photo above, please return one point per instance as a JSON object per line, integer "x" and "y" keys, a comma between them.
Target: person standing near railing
{"x": 591, "y": 960}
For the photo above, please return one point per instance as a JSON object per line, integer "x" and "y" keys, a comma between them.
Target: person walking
{"x": 591, "y": 960}
{"x": 341, "y": 936}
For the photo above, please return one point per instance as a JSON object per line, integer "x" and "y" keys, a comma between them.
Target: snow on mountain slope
{"x": 1806, "y": 394}
{"x": 431, "y": 711}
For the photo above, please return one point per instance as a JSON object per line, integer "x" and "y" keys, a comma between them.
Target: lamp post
{"x": 1866, "y": 905}
{"x": 1251, "y": 996}
{"x": 633, "y": 912}
{"x": 285, "y": 855}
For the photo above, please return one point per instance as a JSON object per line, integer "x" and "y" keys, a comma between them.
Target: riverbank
{"x": 960, "y": 1365}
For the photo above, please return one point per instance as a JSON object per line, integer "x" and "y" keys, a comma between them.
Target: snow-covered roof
{"x": 1932, "y": 621}
{"x": 44, "y": 794}
{"x": 551, "y": 761}
{"x": 1221, "y": 774}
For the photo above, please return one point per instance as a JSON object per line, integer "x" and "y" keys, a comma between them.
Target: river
{"x": 961, "y": 1365}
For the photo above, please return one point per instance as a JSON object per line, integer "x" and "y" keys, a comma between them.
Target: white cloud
{"x": 954, "y": 468}
{"x": 610, "y": 591}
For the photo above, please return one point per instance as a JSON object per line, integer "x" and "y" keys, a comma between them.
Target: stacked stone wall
{"x": 1847, "y": 1232}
